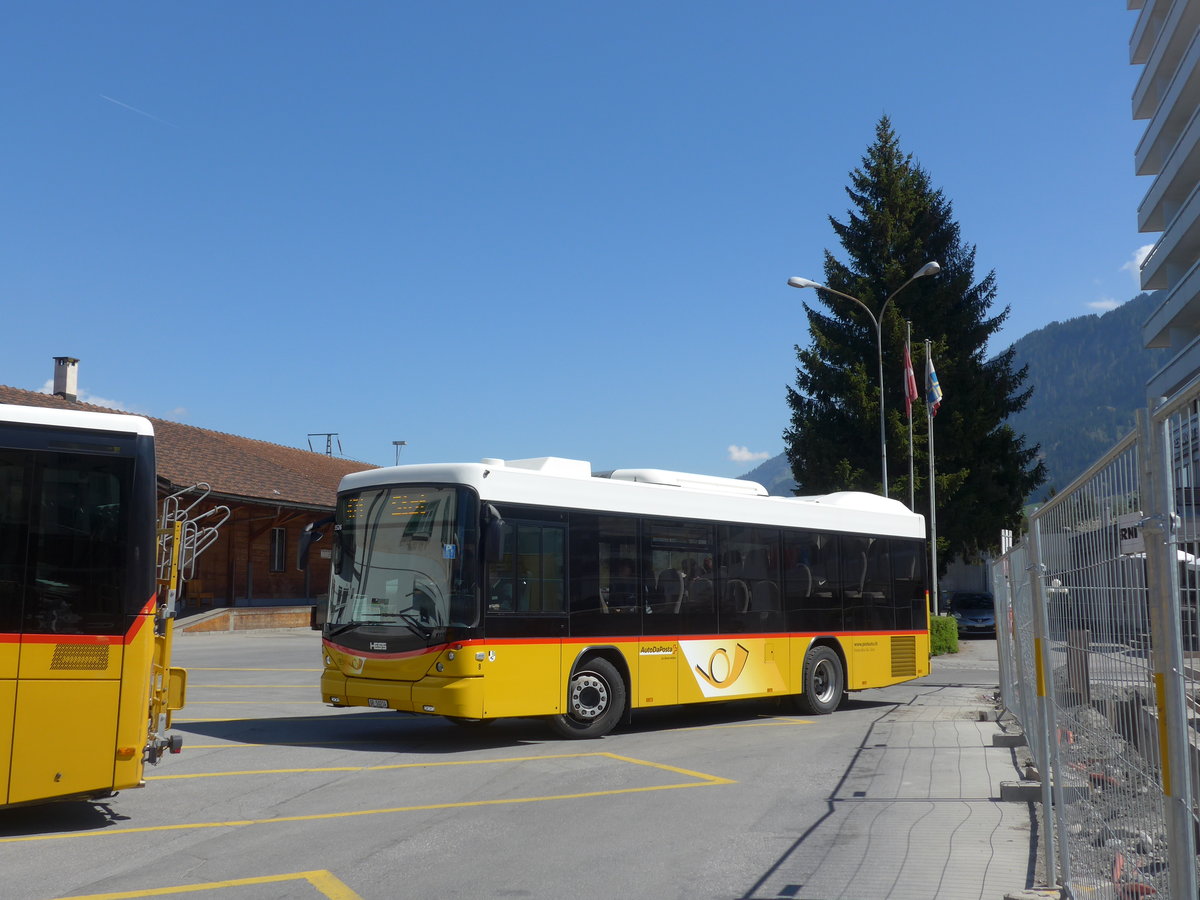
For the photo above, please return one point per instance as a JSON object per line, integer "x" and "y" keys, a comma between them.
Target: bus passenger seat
{"x": 670, "y": 589}
{"x": 738, "y": 595}
{"x": 700, "y": 596}
{"x": 765, "y": 597}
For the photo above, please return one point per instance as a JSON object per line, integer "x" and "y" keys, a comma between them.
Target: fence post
{"x": 1053, "y": 820}
{"x": 1002, "y": 596}
{"x": 1025, "y": 690}
{"x": 1162, "y": 582}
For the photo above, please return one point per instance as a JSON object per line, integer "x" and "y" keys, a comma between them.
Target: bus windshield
{"x": 403, "y": 556}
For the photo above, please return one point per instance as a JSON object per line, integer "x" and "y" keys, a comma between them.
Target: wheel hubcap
{"x": 589, "y": 696}
{"x": 822, "y": 682}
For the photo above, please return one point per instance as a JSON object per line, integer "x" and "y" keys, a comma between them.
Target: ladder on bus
{"x": 184, "y": 532}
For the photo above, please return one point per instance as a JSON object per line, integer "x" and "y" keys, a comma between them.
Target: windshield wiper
{"x": 344, "y": 626}
{"x": 411, "y": 622}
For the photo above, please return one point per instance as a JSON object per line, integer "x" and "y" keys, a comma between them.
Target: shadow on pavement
{"x": 63, "y": 816}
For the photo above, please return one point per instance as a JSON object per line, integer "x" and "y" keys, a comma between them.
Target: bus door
{"x": 683, "y": 593}
{"x": 526, "y": 618}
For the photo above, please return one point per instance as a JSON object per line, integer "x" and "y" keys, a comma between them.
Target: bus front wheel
{"x": 595, "y": 701}
{"x": 824, "y": 682}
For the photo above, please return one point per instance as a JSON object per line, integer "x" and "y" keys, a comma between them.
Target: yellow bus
{"x": 539, "y": 588}
{"x": 85, "y": 684}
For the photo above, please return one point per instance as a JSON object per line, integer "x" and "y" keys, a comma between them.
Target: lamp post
{"x": 930, "y": 268}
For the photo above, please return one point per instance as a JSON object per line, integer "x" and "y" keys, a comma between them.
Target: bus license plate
{"x": 378, "y": 704}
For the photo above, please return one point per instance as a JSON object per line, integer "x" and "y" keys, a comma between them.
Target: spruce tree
{"x": 897, "y": 223}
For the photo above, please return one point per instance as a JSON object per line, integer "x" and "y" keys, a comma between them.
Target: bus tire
{"x": 595, "y": 700}
{"x": 824, "y": 682}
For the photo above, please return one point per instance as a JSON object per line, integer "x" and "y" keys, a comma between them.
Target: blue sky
{"x": 523, "y": 229}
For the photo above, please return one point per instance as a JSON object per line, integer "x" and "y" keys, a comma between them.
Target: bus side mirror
{"x": 493, "y": 534}
{"x": 320, "y": 611}
{"x": 311, "y": 535}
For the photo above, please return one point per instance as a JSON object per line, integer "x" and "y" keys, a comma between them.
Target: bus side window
{"x": 621, "y": 588}
{"x": 908, "y": 582}
{"x": 531, "y": 575}
{"x": 877, "y": 586}
{"x": 584, "y": 565}
{"x": 14, "y": 532}
{"x": 812, "y": 585}
{"x": 853, "y": 551}
{"x": 501, "y": 574}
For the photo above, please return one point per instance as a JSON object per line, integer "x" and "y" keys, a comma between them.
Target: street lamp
{"x": 930, "y": 268}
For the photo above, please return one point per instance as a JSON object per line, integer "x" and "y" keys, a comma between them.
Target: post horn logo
{"x": 722, "y": 674}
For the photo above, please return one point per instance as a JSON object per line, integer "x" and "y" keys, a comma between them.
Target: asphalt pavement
{"x": 277, "y": 797}
{"x": 918, "y": 814}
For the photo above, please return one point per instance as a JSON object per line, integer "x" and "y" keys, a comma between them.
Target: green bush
{"x": 943, "y": 635}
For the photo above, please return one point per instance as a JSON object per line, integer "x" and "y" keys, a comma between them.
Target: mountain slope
{"x": 1088, "y": 376}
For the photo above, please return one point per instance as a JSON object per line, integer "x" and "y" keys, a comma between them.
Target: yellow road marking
{"x": 307, "y": 687}
{"x": 322, "y": 880}
{"x": 430, "y": 765}
{"x": 332, "y": 712}
{"x": 703, "y": 780}
{"x": 765, "y": 722}
{"x": 332, "y": 743}
{"x": 191, "y": 702}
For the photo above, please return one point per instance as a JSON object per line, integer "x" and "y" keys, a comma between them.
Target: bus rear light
{"x": 126, "y": 752}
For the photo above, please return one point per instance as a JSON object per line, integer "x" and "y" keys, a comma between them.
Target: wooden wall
{"x": 236, "y": 569}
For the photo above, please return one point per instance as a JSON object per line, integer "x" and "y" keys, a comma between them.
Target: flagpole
{"x": 933, "y": 572}
{"x": 911, "y": 480}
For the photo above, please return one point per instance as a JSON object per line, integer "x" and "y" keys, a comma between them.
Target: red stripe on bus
{"x": 110, "y": 639}
{"x": 140, "y": 621}
{"x": 606, "y": 639}
{"x": 654, "y": 638}
{"x": 379, "y": 654}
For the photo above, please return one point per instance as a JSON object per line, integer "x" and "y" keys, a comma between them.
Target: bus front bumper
{"x": 434, "y": 695}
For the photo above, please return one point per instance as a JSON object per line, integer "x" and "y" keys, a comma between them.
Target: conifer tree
{"x": 897, "y": 223}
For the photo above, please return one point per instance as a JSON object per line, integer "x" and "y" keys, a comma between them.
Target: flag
{"x": 933, "y": 390}
{"x": 910, "y": 383}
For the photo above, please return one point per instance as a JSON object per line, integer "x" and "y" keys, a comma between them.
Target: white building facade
{"x": 1166, "y": 43}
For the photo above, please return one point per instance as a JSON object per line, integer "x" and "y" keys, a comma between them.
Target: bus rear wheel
{"x": 595, "y": 701}
{"x": 824, "y": 682}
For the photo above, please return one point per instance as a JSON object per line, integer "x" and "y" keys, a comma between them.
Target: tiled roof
{"x": 233, "y": 466}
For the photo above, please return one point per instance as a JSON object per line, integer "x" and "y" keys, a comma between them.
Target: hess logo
{"x": 721, "y": 672}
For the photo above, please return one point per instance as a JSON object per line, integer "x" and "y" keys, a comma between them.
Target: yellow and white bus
{"x": 85, "y": 685}
{"x": 534, "y": 587}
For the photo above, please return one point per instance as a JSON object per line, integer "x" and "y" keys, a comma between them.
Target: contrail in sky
{"x": 140, "y": 112}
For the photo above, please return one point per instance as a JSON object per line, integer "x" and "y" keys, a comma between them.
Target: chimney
{"x": 66, "y": 377}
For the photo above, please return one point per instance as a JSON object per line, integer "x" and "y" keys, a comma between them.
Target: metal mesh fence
{"x": 1014, "y": 618}
{"x": 1086, "y": 666}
